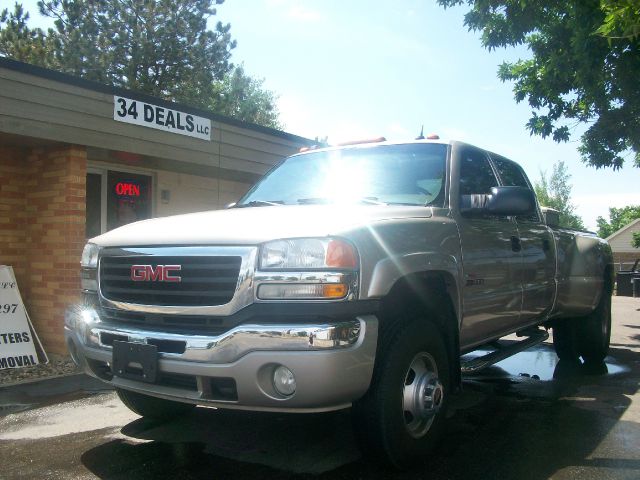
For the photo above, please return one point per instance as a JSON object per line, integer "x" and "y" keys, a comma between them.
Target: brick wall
{"x": 12, "y": 210}
{"x": 47, "y": 189}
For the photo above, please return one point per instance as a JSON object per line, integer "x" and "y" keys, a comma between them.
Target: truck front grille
{"x": 204, "y": 280}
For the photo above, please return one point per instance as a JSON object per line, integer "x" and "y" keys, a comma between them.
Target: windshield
{"x": 386, "y": 174}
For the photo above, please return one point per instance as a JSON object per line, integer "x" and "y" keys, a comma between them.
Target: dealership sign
{"x": 161, "y": 118}
{"x": 17, "y": 337}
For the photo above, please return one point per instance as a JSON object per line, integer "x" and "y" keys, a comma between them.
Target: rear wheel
{"x": 402, "y": 415}
{"x": 565, "y": 339}
{"x": 594, "y": 334}
{"x": 587, "y": 337}
{"x": 152, "y": 407}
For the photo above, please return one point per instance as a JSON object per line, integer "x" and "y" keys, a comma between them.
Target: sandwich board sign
{"x": 17, "y": 337}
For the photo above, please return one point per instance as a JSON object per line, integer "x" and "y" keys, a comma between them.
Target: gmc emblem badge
{"x": 161, "y": 273}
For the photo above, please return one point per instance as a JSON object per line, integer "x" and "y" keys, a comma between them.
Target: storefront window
{"x": 128, "y": 198}
{"x": 115, "y": 199}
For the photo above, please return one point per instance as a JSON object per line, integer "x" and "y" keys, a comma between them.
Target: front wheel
{"x": 152, "y": 407}
{"x": 402, "y": 415}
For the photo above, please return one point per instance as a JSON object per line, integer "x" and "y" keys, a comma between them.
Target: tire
{"x": 392, "y": 422}
{"x": 587, "y": 337}
{"x": 565, "y": 339}
{"x": 152, "y": 407}
{"x": 594, "y": 333}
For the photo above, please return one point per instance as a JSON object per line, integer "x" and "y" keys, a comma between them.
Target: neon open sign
{"x": 128, "y": 189}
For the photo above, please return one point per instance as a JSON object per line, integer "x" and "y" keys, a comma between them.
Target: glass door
{"x": 128, "y": 198}
{"x": 115, "y": 198}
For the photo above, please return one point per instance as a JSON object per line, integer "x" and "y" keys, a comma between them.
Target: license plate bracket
{"x": 135, "y": 361}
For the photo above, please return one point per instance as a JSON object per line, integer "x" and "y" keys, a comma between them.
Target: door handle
{"x": 515, "y": 244}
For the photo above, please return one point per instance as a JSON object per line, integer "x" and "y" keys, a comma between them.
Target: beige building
{"x": 79, "y": 158}
{"x": 624, "y": 254}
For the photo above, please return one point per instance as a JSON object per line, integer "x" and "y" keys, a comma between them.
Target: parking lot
{"x": 528, "y": 417}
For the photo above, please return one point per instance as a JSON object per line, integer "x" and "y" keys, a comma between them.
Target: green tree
{"x": 584, "y": 68}
{"x": 622, "y": 19}
{"x": 22, "y": 43}
{"x": 243, "y": 97}
{"x": 160, "y": 47}
{"x": 618, "y": 218}
{"x": 635, "y": 241}
{"x": 555, "y": 192}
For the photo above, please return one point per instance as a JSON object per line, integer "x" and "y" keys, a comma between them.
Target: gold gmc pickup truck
{"x": 348, "y": 277}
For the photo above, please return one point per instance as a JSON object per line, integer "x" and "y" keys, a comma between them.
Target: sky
{"x": 362, "y": 69}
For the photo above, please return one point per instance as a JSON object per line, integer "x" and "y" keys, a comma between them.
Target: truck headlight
{"x": 90, "y": 256}
{"x": 89, "y": 267}
{"x": 307, "y": 269}
{"x": 308, "y": 254}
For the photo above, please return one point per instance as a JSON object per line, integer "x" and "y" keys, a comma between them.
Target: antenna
{"x": 421, "y": 136}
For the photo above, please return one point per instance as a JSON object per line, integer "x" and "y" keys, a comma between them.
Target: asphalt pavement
{"x": 528, "y": 417}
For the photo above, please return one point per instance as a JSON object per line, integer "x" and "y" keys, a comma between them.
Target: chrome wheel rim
{"x": 422, "y": 395}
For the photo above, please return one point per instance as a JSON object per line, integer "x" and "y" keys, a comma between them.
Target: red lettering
{"x": 157, "y": 274}
{"x": 138, "y": 273}
{"x": 129, "y": 189}
{"x": 167, "y": 273}
{"x": 161, "y": 273}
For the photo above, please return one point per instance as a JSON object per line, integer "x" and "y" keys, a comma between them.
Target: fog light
{"x": 283, "y": 381}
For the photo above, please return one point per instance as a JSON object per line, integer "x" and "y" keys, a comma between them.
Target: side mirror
{"x": 501, "y": 201}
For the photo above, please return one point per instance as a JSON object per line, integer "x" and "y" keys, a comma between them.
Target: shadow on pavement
{"x": 505, "y": 424}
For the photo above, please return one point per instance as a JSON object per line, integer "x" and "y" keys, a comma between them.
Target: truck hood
{"x": 254, "y": 225}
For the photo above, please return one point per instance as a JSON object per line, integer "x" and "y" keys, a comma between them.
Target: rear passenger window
{"x": 512, "y": 176}
{"x": 476, "y": 174}
{"x": 510, "y": 173}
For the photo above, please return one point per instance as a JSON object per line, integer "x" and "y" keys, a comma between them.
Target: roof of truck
{"x": 369, "y": 144}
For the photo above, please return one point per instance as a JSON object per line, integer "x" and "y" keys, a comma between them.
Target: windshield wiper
{"x": 259, "y": 203}
{"x": 324, "y": 200}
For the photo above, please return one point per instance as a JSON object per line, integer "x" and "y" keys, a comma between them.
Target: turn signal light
{"x": 310, "y": 291}
{"x": 335, "y": 290}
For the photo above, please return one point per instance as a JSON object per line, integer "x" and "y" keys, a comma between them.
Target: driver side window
{"x": 476, "y": 174}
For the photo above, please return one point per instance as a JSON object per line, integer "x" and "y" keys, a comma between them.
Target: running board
{"x": 500, "y": 354}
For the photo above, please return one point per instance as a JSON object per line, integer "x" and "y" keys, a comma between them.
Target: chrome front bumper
{"x": 332, "y": 362}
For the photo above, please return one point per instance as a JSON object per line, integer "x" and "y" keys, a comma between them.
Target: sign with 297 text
{"x": 161, "y": 118}
{"x": 17, "y": 342}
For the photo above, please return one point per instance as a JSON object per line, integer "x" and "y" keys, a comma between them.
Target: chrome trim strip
{"x": 243, "y": 339}
{"x": 242, "y": 297}
{"x": 228, "y": 346}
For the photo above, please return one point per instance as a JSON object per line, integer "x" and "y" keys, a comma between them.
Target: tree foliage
{"x": 618, "y": 218}
{"x": 160, "y": 47}
{"x": 243, "y": 97}
{"x": 22, "y": 43}
{"x": 584, "y": 68}
{"x": 622, "y": 19}
{"x": 555, "y": 192}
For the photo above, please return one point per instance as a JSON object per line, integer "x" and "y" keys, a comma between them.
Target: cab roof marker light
{"x": 433, "y": 136}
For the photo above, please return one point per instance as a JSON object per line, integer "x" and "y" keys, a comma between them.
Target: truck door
{"x": 492, "y": 292}
{"x": 538, "y": 267}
